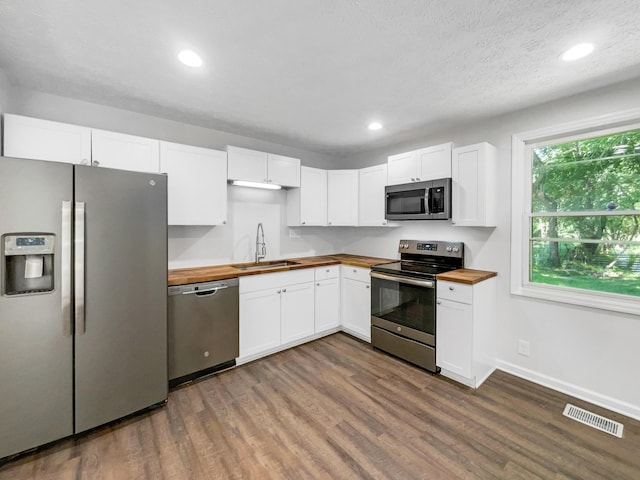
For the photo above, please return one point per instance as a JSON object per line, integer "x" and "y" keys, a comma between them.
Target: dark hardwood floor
{"x": 336, "y": 409}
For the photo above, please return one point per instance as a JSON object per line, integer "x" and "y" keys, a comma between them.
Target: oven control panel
{"x": 432, "y": 248}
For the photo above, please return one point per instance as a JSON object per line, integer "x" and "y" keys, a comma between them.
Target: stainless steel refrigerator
{"x": 83, "y": 304}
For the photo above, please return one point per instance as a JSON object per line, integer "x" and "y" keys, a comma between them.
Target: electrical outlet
{"x": 524, "y": 348}
{"x": 294, "y": 233}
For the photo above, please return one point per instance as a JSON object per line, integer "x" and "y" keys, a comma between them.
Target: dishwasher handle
{"x": 205, "y": 293}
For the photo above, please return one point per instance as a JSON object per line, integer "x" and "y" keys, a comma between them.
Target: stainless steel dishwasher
{"x": 203, "y": 329}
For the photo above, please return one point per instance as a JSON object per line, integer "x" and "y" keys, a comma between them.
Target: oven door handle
{"x": 409, "y": 281}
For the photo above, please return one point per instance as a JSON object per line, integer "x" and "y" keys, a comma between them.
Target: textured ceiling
{"x": 314, "y": 73}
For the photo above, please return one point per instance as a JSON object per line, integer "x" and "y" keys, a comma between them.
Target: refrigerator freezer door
{"x": 36, "y": 348}
{"x": 121, "y": 354}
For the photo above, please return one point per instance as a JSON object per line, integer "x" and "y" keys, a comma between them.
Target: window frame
{"x": 521, "y": 167}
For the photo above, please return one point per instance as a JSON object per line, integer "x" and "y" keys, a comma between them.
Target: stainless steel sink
{"x": 265, "y": 265}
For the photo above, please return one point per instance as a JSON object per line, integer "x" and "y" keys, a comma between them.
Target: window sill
{"x": 585, "y": 298}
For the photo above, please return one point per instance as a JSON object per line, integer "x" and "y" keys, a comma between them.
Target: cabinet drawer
{"x": 457, "y": 292}
{"x": 275, "y": 280}
{"x": 330, "y": 271}
{"x": 356, "y": 273}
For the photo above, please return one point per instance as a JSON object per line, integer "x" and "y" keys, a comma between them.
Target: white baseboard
{"x": 590, "y": 396}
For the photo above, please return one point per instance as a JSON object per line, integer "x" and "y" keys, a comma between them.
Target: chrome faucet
{"x": 261, "y": 246}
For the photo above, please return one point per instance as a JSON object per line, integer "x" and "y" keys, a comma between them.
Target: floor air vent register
{"x": 593, "y": 420}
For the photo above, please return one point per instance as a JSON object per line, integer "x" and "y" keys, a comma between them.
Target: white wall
{"x": 196, "y": 246}
{"x": 586, "y": 352}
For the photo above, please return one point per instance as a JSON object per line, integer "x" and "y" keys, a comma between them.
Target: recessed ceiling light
{"x": 190, "y": 58}
{"x": 375, "y": 126}
{"x": 577, "y": 51}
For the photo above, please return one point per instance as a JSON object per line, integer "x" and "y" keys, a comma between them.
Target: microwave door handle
{"x": 427, "y": 200}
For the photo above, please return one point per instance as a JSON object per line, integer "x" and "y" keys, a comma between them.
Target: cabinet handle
{"x": 413, "y": 179}
{"x": 439, "y": 302}
{"x": 451, "y": 288}
{"x": 270, "y": 180}
{"x": 317, "y": 284}
{"x": 302, "y": 223}
{"x": 84, "y": 161}
{"x": 368, "y": 286}
{"x": 95, "y": 163}
{"x": 279, "y": 291}
{"x": 417, "y": 179}
{"x": 284, "y": 290}
{"x": 328, "y": 223}
{"x": 384, "y": 223}
{"x": 327, "y": 270}
{"x": 224, "y": 222}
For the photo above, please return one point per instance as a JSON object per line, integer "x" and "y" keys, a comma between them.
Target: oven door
{"x": 404, "y": 306}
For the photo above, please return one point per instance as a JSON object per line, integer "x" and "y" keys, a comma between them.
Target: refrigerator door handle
{"x": 65, "y": 262}
{"x": 79, "y": 268}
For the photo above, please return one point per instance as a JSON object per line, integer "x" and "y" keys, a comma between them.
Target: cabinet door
{"x": 434, "y": 162}
{"x": 26, "y": 137}
{"x": 454, "y": 334}
{"x": 342, "y": 197}
{"x": 371, "y": 201}
{"x": 259, "y": 322}
{"x": 283, "y": 170}
{"x": 196, "y": 184}
{"x": 402, "y": 168}
{"x": 248, "y": 165}
{"x": 473, "y": 194}
{"x": 356, "y": 308}
{"x": 125, "y": 152}
{"x": 327, "y": 304}
{"x": 313, "y": 197}
{"x": 297, "y": 314}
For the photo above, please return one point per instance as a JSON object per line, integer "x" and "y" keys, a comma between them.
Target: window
{"x": 576, "y": 219}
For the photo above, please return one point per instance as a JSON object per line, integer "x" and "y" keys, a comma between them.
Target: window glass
{"x": 585, "y": 213}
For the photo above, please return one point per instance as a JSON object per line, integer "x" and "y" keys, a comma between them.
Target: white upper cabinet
{"x": 283, "y": 170}
{"x": 371, "y": 201}
{"x": 255, "y": 166}
{"x": 126, "y": 152}
{"x": 307, "y": 205}
{"x": 248, "y": 165}
{"x": 342, "y": 197}
{"x": 196, "y": 184}
{"x": 474, "y": 177}
{"x": 428, "y": 163}
{"x": 26, "y": 137}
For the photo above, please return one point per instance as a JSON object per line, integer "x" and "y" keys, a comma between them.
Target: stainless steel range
{"x": 403, "y": 299}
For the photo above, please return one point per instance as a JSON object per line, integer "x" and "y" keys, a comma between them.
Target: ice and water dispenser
{"x": 27, "y": 263}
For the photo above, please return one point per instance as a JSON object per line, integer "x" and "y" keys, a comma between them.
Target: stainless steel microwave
{"x": 430, "y": 200}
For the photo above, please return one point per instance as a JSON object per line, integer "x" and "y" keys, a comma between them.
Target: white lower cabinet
{"x": 275, "y": 310}
{"x": 465, "y": 331}
{"x": 356, "y": 301}
{"x": 296, "y": 312}
{"x": 327, "y": 298}
{"x": 259, "y": 322}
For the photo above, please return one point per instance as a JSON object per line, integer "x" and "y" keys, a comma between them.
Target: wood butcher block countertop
{"x": 466, "y": 275}
{"x": 183, "y": 276}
